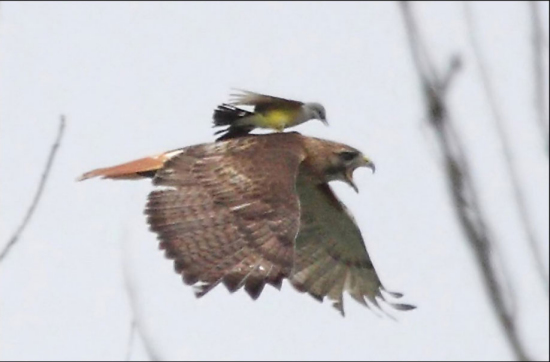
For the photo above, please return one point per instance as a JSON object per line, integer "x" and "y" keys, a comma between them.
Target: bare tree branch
{"x": 130, "y": 344}
{"x": 30, "y": 211}
{"x": 506, "y": 146}
{"x": 538, "y": 44}
{"x": 137, "y": 324}
{"x": 460, "y": 182}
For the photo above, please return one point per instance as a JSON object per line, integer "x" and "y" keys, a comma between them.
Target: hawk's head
{"x": 336, "y": 161}
{"x": 342, "y": 163}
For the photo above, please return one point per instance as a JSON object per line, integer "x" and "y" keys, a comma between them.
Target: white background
{"x": 138, "y": 79}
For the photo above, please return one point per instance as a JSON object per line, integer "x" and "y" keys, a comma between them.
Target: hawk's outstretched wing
{"x": 229, "y": 212}
{"x": 330, "y": 253}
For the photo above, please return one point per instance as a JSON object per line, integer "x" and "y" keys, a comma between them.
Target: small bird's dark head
{"x": 316, "y": 111}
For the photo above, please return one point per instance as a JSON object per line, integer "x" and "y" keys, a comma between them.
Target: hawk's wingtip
{"x": 403, "y": 307}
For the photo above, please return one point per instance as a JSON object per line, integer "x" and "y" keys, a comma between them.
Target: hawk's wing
{"x": 262, "y": 102}
{"x": 330, "y": 254}
{"x": 229, "y": 212}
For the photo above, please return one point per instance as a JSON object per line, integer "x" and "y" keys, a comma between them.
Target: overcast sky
{"x": 136, "y": 79}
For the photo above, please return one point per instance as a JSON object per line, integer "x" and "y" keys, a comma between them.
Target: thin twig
{"x": 130, "y": 345}
{"x": 30, "y": 212}
{"x": 538, "y": 74}
{"x": 506, "y": 146}
{"x": 137, "y": 324}
{"x": 461, "y": 185}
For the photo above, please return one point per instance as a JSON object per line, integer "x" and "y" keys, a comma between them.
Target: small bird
{"x": 268, "y": 112}
{"x": 257, "y": 209}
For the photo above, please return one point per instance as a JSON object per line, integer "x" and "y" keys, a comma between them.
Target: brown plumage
{"x": 257, "y": 209}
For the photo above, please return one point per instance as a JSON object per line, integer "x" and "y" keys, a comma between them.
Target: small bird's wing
{"x": 331, "y": 256}
{"x": 228, "y": 211}
{"x": 262, "y": 102}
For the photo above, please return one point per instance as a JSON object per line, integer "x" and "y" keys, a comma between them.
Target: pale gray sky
{"x": 141, "y": 78}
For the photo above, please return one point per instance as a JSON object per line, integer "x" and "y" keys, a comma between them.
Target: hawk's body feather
{"x": 219, "y": 223}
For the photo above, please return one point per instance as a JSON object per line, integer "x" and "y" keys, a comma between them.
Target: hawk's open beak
{"x": 369, "y": 164}
{"x": 349, "y": 173}
{"x": 349, "y": 179}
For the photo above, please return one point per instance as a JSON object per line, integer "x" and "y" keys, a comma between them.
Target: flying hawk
{"x": 268, "y": 112}
{"x": 254, "y": 210}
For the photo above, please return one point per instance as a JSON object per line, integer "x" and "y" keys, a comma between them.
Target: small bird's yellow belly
{"x": 277, "y": 119}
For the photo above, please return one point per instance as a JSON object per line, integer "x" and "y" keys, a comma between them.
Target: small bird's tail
{"x": 226, "y": 115}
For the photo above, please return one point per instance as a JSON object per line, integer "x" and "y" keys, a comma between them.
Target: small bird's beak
{"x": 324, "y": 120}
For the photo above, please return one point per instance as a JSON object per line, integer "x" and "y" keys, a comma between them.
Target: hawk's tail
{"x": 227, "y": 115}
{"x": 144, "y": 167}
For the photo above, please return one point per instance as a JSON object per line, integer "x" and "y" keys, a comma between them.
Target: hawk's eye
{"x": 348, "y": 155}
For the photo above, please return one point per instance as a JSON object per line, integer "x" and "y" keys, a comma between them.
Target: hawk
{"x": 268, "y": 112}
{"x": 254, "y": 210}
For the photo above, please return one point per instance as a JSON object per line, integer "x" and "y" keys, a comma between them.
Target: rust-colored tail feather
{"x": 137, "y": 169}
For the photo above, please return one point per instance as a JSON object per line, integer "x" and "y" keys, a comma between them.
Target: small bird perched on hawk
{"x": 257, "y": 209}
{"x": 268, "y": 112}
